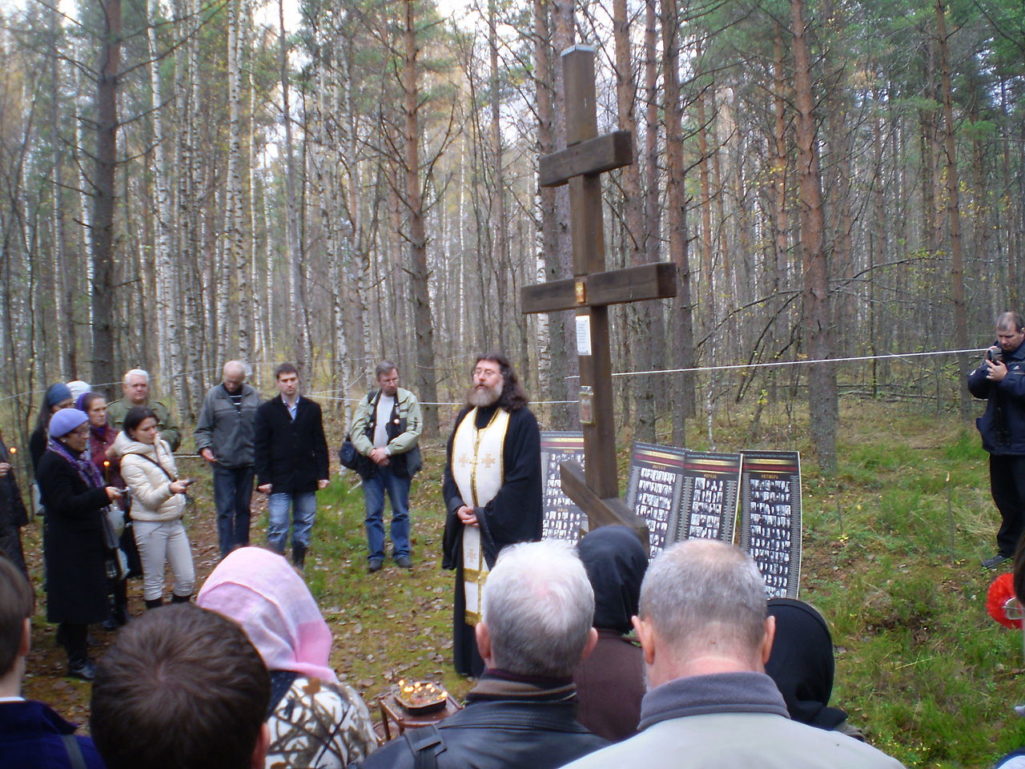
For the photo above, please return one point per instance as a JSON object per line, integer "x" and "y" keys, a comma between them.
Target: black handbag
{"x": 348, "y": 455}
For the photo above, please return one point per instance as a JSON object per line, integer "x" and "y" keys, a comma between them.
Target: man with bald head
{"x": 706, "y": 635}
{"x": 224, "y": 438}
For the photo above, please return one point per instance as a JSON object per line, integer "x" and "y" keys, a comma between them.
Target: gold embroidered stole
{"x": 478, "y": 471}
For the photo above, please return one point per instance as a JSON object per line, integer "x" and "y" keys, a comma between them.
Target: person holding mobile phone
{"x": 158, "y": 503}
{"x": 1000, "y": 380}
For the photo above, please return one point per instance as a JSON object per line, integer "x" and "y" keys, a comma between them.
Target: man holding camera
{"x": 1001, "y": 381}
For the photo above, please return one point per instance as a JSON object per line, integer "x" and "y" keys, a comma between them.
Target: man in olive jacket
{"x": 135, "y": 389}
{"x": 290, "y": 458}
{"x": 385, "y": 430}
{"x": 224, "y": 438}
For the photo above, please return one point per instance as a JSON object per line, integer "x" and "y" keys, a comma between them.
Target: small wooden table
{"x": 393, "y": 713}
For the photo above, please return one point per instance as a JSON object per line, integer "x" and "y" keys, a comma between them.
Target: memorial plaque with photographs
{"x": 562, "y": 518}
{"x": 770, "y": 518}
{"x": 654, "y": 490}
{"x": 709, "y": 505}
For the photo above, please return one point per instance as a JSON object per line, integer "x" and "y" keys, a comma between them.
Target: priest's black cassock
{"x": 513, "y": 515}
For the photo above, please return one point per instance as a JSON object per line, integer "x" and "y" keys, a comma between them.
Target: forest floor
{"x": 892, "y": 545}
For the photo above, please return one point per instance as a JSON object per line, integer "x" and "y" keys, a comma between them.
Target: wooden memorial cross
{"x": 592, "y": 289}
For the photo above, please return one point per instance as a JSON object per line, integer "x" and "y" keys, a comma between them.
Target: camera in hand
{"x": 995, "y": 354}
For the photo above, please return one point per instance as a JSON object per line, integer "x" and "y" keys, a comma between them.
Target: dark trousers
{"x": 233, "y": 491}
{"x": 73, "y": 637}
{"x": 1007, "y": 482}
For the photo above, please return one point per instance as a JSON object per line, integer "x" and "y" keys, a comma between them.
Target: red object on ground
{"x": 1000, "y": 592}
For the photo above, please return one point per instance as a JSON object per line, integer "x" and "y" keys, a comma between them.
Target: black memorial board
{"x": 562, "y": 518}
{"x": 709, "y": 504}
{"x": 654, "y": 490}
{"x": 770, "y": 518}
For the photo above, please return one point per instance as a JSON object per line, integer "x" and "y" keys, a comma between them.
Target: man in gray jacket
{"x": 224, "y": 438}
{"x": 706, "y": 636}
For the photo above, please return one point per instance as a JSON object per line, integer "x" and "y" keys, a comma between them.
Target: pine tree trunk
{"x": 105, "y": 166}
{"x": 822, "y": 394}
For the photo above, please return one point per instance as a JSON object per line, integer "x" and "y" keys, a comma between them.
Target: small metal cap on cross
{"x": 592, "y": 289}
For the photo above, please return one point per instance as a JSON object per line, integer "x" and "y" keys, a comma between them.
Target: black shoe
{"x": 375, "y": 564}
{"x": 82, "y": 669}
{"x": 181, "y": 598}
{"x": 996, "y": 560}
{"x": 299, "y": 556}
{"x": 155, "y": 603}
{"x": 403, "y": 562}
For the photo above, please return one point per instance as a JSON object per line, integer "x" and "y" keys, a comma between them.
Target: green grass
{"x": 892, "y": 545}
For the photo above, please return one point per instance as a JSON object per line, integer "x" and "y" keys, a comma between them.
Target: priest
{"x": 492, "y": 491}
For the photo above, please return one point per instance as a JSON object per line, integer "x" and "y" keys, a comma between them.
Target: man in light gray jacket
{"x": 385, "y": 429}
{"x": 706, "y": 636}
{"x": 224, "y": 438}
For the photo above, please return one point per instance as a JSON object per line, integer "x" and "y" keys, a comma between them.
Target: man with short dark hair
{"x": 538, "y": 609}
{"x": 492, "y": 491}
{"x": 31, "y": 734}
{"x": 135, "y": 392}
{"x": 224, "y": 438}
{"x": 706, "y": 635}
{"x": 181, "y": 687}
{"x": 1000, "y": 380}
{"x": 385, "y": 429}
{"x": 290, "y": 458}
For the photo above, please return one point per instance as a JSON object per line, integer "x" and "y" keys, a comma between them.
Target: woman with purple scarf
{"x": 78, "y": 542}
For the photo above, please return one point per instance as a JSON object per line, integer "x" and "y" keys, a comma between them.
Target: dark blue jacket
{"x": 32, "y": 735}
{"x": 1003, "y": 425}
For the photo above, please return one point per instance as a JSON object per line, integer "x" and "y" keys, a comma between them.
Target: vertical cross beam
{"x": 588, "y": 236}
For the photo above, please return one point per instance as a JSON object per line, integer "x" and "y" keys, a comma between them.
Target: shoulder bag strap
{"x": 74, "y": 751}
{"x": 426, "y": 745}
{"x": 162, "y": 468}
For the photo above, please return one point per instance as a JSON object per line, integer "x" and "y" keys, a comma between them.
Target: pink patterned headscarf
{"x": 260, "y": 591}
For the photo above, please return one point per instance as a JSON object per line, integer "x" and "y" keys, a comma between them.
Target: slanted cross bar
{"x": 593, "y": 289}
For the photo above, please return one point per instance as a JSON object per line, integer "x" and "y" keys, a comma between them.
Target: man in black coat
{"x": 492, "y": 491}
{"x": 1000, "y": 379}
{"x": 290, "y": 459}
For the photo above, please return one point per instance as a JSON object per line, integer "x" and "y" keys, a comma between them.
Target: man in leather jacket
{"x": 538, "y": 609}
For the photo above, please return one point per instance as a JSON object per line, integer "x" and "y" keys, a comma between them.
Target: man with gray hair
{"x": 706, "y": 636}
{"x": 135, "y": 390}
{"x": 536, "y": 626}
{"x": 224, "y": 438}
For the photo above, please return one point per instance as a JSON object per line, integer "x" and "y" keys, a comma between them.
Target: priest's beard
{"x": 482, "y": 395}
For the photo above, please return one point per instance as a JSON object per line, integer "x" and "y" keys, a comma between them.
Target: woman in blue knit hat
{"x": 78, "y": 541}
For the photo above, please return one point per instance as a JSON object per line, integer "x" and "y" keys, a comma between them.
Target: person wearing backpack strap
{"x": 386, "y": 430}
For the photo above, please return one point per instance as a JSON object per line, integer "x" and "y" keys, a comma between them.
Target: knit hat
{"x": 78, "y": 388}
{"x": 66, "y": 420}
{"x": 56, "y": 393}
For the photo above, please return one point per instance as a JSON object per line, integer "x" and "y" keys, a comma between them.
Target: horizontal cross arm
{"x": 600, "y": 512}
{"x": 633, "y": 284}
{"x": 591, "y": 156}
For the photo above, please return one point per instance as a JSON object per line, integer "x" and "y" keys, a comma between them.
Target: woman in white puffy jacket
{"x": 158, "y": 501}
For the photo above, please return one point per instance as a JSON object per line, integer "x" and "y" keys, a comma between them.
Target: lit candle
{"x": 106, "y": 471}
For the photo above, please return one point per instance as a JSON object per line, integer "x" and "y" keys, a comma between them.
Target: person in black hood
{"x": 610, "y": 683}
{"x": 802, "y": 665}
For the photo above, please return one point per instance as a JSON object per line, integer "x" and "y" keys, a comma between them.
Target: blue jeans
{"x": 233, "y": 490}
{"x": 304, "y": 512}
{"x": 373, "y": 496}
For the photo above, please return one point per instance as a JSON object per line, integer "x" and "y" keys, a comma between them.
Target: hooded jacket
{"x": 148, "y": 470}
